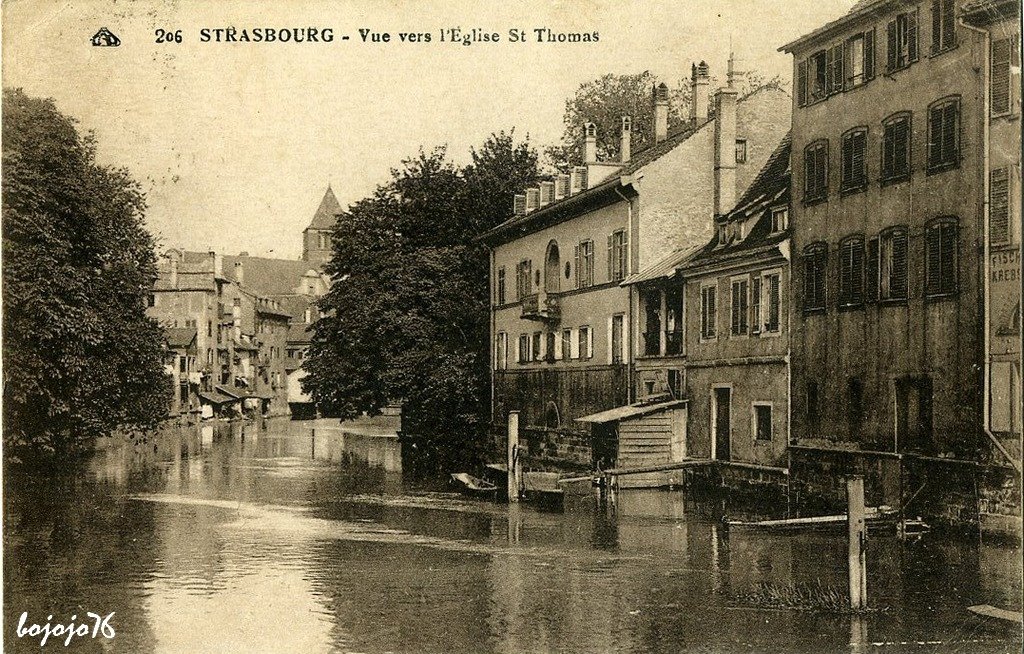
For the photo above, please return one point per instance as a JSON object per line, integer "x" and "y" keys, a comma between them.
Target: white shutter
{"x": 558, "y": 346}
{"x": 574, "y": 344}
{"x": 610, "y": 357}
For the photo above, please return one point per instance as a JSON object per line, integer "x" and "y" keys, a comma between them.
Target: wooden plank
{"x": 657, "y": 468}
{"x": 989, "y": 611}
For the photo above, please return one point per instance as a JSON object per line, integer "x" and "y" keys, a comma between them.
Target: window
{"x": 854, "y": 173}
{"x": 723, "y": 233}
{"x": 535, "y": 346}
{"x": 585, "y": 264}
{"x": 940, "y": 257}
{"x": 763, "y": 421}
{"x": 618, "y": 340}
{"x": 209, "y": 328}
{"x": 755, "y": 304}
{"x": 780, "y": 220}
{"x": 182, "y": 364}
{"x": 821, "y": 75}
{"x": 524, "y": 348}
{"x": 674, "y": 299}
{"x": 151, "y": 300}
{"x": 325, "y": 240}
{"x": 816, "y": 171}
{"x": 859, "y": 59}
{"x": 887, "y": 265}
{"x": 501, "y": 351}
{"x": 766, "y": 303}
{"x": 815, "y": 265}
{"x": 523, "y": 279}
{"x": 851, "y": 271}
{"x": 944, "y": 135}
{"x": 1005, "y": 58}
{"x": 652, "y": 329}
{"x": 896, "y": 148}
{"x": 834, "y": 69}
{"x": 708, "y": 311}
{"x": 738, "y": 308}
{"x": 854, "y": 407}
{"x": 618, "y": 252}
{"x": 500, "y": 299}
{"x": 550, "y": 338}
{"x": 586, "y": 342}
{"x": 818, "y": 75}
{"x": 999, "y": 206}
{"x": 567, "y": 345}
{"x": 901, "y": 37}
{"x": 943, "y": 25}
{"x": 741, "y": 150}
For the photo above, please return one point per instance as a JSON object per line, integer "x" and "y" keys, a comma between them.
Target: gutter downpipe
{"x": 630, "y": 348}
{"x": 492, "y": 344}
{"x": 986, "y": 165}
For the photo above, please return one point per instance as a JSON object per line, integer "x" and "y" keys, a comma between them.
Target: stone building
{"x": 562, "y": 320}
{"x": 316, "y": 238}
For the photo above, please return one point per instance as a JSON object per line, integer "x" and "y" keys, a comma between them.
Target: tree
{"x": 81, "y": 359}
{"x": 407, "y": 315}
{"x": 605, "y": 100}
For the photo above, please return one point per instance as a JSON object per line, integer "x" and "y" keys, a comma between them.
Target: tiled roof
{"x": 180, "y": 337}
{"x": 297, "y": 332}
{"x": 327, "y": 213}
{"x": 295, "y": 304}
{"x": 266, "y": 276}
{"x": 859, "y": 8}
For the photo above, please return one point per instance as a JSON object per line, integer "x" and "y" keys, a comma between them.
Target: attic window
{"x": 741, "y": 151}
{"x": 780, "y": 220}
{"x": 722, "y": 234}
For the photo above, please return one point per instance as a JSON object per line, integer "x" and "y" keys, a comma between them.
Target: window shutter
{"x": 846, "y": 272}
{"x": 847, "y": 157}
{"x": 912, "y": 35}
{"x": 860, "y": 140}
{"x": 869, "y": 54}
{"x": 935, "y": 125}
{"x": 576, "y": 258}
{"x": 871, "y": 272}
{"x": 947, "y": 255}
{"x": 936, "y": 25}
{"x": 837, "y": 68}
{"x": 888, "y": 149}
{"x": 774, "y": 303}
{"x": 857, "y": 272}
{"x": 932, "y": 257}
{"x": 950, "y": 150}
{"x": 891, "y": 51}
{"x": 611, "y": 257}
{"x": 999, "y": 206}
{"x": 809, "y": 282}
{"x": 734, "y": 309}
{"x": 574, "y": 344}
{"x": 948, "y": 23}
{"x": 801, "y": 83}
{"x": 898, "y": 271}
{"x": 556, "y": 343}
{"x": 625, "y": 253}
{"x": 755, "y": 305}
{"x": 1001, "y": 75}
{"x": 821, "y": 169}
{"x": 712, "y": 310}
{"x": 830, "y": 64}
{"x": 901, "y": 147}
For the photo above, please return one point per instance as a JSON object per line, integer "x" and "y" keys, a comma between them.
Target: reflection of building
{"x": 562, "y": 318}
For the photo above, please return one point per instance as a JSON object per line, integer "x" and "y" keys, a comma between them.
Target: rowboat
{"x": 473, "y": 486}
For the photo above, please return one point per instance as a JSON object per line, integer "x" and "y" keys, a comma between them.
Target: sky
{"x": 234, "y": 144}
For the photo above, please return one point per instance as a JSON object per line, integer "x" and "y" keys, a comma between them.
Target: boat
{"x": 473, "y": 486}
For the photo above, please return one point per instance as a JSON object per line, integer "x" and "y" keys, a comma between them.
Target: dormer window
{"x": 722, "y": 234}
{"x": 780, "y": 220}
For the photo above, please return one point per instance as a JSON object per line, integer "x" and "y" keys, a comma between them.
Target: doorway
{"x": 914, "y": 415}
{"x": 722, "y": 418}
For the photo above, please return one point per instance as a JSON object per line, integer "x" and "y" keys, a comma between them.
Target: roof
{"x": 859, "y": 9}
{"x": 266, "y": 276}
{"x": 327, "y": 213}
{"x": 297, "y": 332}
{"x": 582, "y": 202}
{"x": 224, "y": 390}
{"x": 985, "y": 12}
{"x": 770, "y": 189}
{"x": 295, "y": 304}
{"x": 629, "y": 411}
{"x": 666, "y": 267}
{"x": 292, "y": 364}
{"x": 180, "y": 337}
{"x": 213, "y": 397}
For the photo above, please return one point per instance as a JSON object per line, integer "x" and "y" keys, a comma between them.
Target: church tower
{"x": 316, "y": 238}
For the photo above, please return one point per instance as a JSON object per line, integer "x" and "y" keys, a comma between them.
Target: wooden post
{"x": 515, "y": 465}
{"x": 857, "y": 534}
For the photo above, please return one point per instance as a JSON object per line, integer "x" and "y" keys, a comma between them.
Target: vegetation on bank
{"x": 80, "y": 357}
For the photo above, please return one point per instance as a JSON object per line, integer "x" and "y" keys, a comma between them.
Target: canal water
{"x": 305, "y": 537}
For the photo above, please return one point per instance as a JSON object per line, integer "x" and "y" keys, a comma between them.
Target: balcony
{"x": 537, "y": 307}
{"x": 673, "y": 344}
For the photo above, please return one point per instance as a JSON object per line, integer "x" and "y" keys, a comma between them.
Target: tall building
{"x": 316, "y": 238}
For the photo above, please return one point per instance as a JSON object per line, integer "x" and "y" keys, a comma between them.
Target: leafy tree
{"x": 81, "y": 359}
{"x": 605, "y": 100}
{"x": 407, "y": 316}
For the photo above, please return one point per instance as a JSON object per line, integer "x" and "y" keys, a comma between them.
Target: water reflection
{"x": 304, "y": 536}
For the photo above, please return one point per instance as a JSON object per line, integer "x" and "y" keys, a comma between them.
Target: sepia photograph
{"x": 554, "y": 326}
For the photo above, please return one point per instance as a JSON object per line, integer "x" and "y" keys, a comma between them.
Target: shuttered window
{"x": 816, "y": 171}
{"x": 892, "y": 264}
{"x": 834, "y": 78}
{"x": 523, "y": 279}
{"x": 1004, "y": 56}
{"x": 818, "y": 72}
{"x": 708, "y": 311}
{"x": 774, "y": 284}
{"x": 815, "y": 265}
{"x": 944, "y": 135}
{"x": 851, "y": 271}
{"x": 755, "y": 304}
{"x": 584, "y": 261}
{"x": 859, "y": 59}
{"x": 871, "y": 270}
{"x": 585, "y": 346}
{"x": 896, "y": 148}
{"x": 901, "y": 41}
{"x": 500, "y": 291}
{"x": 941, "y": 257}
{"x": 536, "y": 345}
{"x": 943, "y": 25}
{"x": 566, "y": 344}
{"x": 524, "y": 349}
{"x": 854, "y": 160}
{"x": 738, "y": 307}
{"x": 999, "y": 206}
{"x": 618, "y": 255}
{"x": 801, "y": 83}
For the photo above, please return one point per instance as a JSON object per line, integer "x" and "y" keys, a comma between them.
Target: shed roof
{"x": 180, "y": 337}
{"x": 630, "y": 411}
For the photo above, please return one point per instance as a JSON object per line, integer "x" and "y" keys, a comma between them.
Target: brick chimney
{"x": 625, "y": 139}
{"x": 660, "y": 98}
{"x": 589, "y": 143}
{"x": 700, "y": 83}
{"x": 725, "y": 150}
{"x": 239, "y": 273}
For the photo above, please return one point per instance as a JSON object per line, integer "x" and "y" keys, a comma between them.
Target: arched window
{"x": 552, "y": 268}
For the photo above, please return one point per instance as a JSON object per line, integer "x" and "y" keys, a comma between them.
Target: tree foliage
{"x": 605, "y": 100}
{"x": 407, "y": 315}
{"x": 81, "y": 359}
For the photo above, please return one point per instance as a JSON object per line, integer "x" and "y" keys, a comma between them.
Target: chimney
{"x": 547, "y": 193}
{"x": 625, "y": 139}
{"x": 532, "y": 199}
{"x": 700, "y": 83}
{"x": 218, "y": 263}
{"x": 660, "y": 96}
{"x": 725, "y": 150}
{"x": 518, "y": 206}
{"x": 735, "y": 76}
{"x": 239, "y": 273}
{"x": 589, "y": 143}
{"x": 561, "y": 186}
{"x": 174, "y": 271}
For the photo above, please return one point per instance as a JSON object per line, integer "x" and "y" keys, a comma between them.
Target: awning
{"x": 213, "y": 397}
{"x": 230, "y": 393}
{"x": 663, "y": 268}
{"x": 629, "y": 411}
